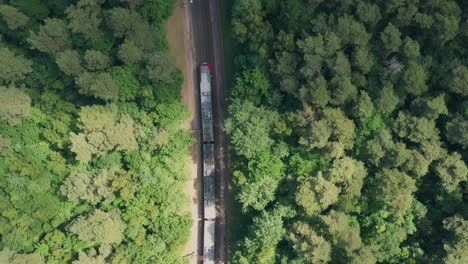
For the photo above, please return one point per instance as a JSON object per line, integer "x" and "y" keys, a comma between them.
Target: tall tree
{"x": 69, "y": 62}
{"x": 451, "y": 170}
{"x": 85, "y": 18}
{"x": 250, "y": 127}
{"x": 15, "y": 105}
{"x": 52, "y": 37}
{"x": 13, "y": 17}
{"x": 308, "y": 244}
{"x": 99, "y": 85}
{"x": 13, "y": 67}
{"x": 317, "y": 195}
{"x": 99, "y": 227}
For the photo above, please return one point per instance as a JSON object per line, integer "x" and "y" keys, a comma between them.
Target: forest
{"x": 92, "y": 154}
{"x": 348, "y": 125}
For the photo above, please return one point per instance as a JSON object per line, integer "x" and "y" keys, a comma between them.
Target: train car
{"x": 208, "y": 242}
{"x": 206, "y": 105}
{"x": 208, "y": 165}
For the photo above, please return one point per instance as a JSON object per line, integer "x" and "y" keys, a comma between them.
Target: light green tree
{"x": 15, "y": 105}
{"x": 99, "y": 85}
{"x": 456, "y": 131}
{"x": 10, "y": 257}
{"x": 13, "y": 67}
{"x": 129, "y": 53}
{"x": 5, "y": 146}
{"x": 267, "y": 229}
{"x": 368, "y": 13}
{"x": 351, "y": 31}
{"x": 362, "y": 59}
{"x": 96, "y": 60}
{"x": 332, "y": 127}
{"x": 387, "y": 100}
{"x": 459, "y": 81}
{"x": 93, "y": 256}
{"x": 457, "y": 246}
{"x": 13, "y": 17}
{"x": 342, "y": 90}
{"x": 258, "y": 194}
{"x": 102, "y": 131}
{"x": 410, "y": 48}
{"x": 308, "y": 244}
{"x": 363, "y": 107}
{"x": 85, "y": 18}
{"x": 160, "y": 67}
{"x": 90, "y": 187}
{"x": 394, "y": 189}
{"x": 349, "y": 174}
{"x": 343, "y": 235}
{"x": 249, "y": 128}
{"x": 451, "y": 170}
{"x": 69, "y": 62}
{"x": 430, "y": 108}
{"x": 391, "y": 38}
{"x": 414, "y": 78}
{"x": 415, "y": 129}
{"x": 99, "y": 227}
{"x": 316, "y": 195}
{"x": 52, "y": 37}
{"x": 317, "y": 92}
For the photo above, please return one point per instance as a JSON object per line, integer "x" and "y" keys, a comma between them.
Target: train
{"x": 209, "y": 219}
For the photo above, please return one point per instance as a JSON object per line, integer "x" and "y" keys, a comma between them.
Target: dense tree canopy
{"x": 92, "y": 153}
{"x": 353, "y": 114}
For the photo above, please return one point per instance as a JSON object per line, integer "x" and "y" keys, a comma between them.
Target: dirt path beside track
{"x": 180, "y": 44}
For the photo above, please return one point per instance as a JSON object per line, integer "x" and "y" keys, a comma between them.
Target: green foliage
{"x": 160, "y": 67}
{"x": 258, "y": 194}
{"x": 69, "y": 62}
{"x": 317, "y": 195}
{"x": 415, "y": 129}
{"x": 96, "y": 60}
{"x": 308, "y": 244}
{"x": 252, "y": 138}
{"x": 102, "y": 131}
{"x": 99, "y": 227}
{"x": 128, "y": 85}
{"x": 387, "y": 100}
{"x": 13, "y": 17}
{"x": 128, "y": 23}
{"x": 393, "y": 191}
{"x": 364, "y": 107}
{"x": 414, "y": 79}
{"x": 99, "y": 85}
{"x": 456, "y": 248}
{"x": 452, "y": 170}
{"x": 32, "y": 8}
{"x": 85, "y": 18}
{"x": 253, "y": 85}
{"x": 85, "y": 182}
{"x": 459, "y": 80}
{"x": 129, "y": 53}
{"x": 372, "y": 178}
{"x": 89, "y": 187}
{"x": 333, "y": 129}
{"x": 13, "y": 67}
{"x": 158, "y": 10}
{"x": 11, "y": 257}
{"x": 52, "y": 37}
{"x": 456, "y": 131}
{"x": 391, "y": 38}
{"x": 15, "y": 105}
